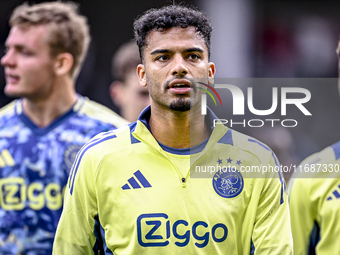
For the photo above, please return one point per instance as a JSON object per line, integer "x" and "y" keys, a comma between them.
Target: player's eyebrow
{"x": 159, "y": 51}
{"x": 15, "y": 46}
{"x": 168, "y": 51}
{"x": 194, "y": 49}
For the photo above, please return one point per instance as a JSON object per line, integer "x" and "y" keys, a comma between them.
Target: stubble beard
{"x": 180, "y": 105}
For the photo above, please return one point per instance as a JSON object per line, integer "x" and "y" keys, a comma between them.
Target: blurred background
{"x": 251, "y": 39}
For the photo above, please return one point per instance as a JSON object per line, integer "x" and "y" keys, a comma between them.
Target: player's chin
{"x": 180, "y": 104}
{"x": 11, "y": 91}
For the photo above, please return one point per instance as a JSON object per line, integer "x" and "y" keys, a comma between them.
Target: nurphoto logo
{"x": 238, "y": 106}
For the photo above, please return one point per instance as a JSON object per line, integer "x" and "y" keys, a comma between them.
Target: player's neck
{"x": 178, "y": 129}
{"x": 42, "y": 111}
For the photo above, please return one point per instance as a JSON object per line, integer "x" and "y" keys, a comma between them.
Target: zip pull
{"x": 183, "y": 182}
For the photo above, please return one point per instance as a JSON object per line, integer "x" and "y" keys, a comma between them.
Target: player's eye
{"x": 162, "y": 58}
{"x": 25, "y": 52}
{"x": 194, "y": 56}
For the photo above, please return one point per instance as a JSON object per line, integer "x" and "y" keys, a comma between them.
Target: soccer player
{"x": 41, "y": 132}
{"x": 125, "y": 91}
{"x": 314, "y": 193}
{"x": 136, "y": 190}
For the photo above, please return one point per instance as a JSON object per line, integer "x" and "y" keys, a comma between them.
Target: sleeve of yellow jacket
{"x": 272, "y": 229}
{"x": 301, "y": 214}
{"x": 76, "y": 229}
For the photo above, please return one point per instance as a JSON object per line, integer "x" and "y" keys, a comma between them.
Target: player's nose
{"x": 8, "y": 59}
{"x": 179, "y": 65}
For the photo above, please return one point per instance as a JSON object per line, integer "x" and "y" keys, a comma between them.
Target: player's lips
{"x": 181, "y": 86}
{"x": 11, "y": 78}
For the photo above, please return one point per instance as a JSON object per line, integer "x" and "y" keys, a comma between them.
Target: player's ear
{"x": 116, "y": 92}
{"x": 141, "y": 75}
{"x": 211, "y": 73}
{"x": 63, "y": 63}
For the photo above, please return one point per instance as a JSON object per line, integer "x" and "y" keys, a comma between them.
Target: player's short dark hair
{"x": 171, "y": 16}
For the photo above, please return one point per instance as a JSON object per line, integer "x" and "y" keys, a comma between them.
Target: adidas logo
{"x": 136, "y": 183}
{"x": 335, "y": 194}
{"x": 6, "y": 159}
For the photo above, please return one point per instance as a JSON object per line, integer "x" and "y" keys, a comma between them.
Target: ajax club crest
{"x": 70, "y": 154}
{"x": 228, "y": 183}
